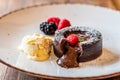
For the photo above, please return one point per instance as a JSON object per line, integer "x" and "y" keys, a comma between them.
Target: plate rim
{"x": 59, "y": 77}
{"x": 51, "y": 76}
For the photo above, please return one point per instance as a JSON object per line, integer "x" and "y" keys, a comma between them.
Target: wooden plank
{"x": 11, "y": 74}
{"x": 23, "y": 76}
{"x": 117, "y": 4}
{"x": 3, "y": 69}
{"x": 103, "y": 3}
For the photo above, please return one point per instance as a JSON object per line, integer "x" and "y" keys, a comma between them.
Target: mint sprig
{"x": 81, "y": 40}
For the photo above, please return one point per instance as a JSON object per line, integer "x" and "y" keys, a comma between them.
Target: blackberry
{"x": 48, "y": 27}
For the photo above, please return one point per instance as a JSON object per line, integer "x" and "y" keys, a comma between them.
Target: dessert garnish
{"x": 52, "y": 24}
{"x": 37, "y": 47}
{"x": 55, "y": 20}
{"x": 48, "y": 27}
{"x": 72, "y": 39}
{"x": 81, "y": 40}
{"x": 64, "y": 23}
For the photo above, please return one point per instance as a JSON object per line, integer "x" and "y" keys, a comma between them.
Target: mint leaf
{"x": 81, "y": 40}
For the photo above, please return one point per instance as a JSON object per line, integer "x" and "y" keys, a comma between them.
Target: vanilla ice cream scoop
{"x": 37, "y": 47}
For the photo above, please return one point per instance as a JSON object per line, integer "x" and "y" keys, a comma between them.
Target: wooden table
{"x": 7, "y": 73}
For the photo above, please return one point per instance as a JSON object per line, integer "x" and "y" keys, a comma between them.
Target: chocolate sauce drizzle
{"x": 70, "y": 55}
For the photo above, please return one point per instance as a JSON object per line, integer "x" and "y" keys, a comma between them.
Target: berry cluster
{"x": 52, "y": 24}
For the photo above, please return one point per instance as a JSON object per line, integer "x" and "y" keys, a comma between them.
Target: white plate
{"x": 26, "y": 22}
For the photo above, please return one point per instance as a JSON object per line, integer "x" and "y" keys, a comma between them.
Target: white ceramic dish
{"x": 23, "y": 22}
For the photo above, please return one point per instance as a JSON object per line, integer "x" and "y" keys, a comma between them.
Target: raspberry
{"x": 72, "y": 39}
{"x": 55, "y": 20}
{"x": 63, "y": 23}
{"x": 48, "y": 27}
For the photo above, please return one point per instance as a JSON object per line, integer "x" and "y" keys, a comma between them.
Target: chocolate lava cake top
{"x": 86, "y": 34}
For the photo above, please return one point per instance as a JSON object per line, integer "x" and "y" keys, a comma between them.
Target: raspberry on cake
{"x": 72, "y": 39}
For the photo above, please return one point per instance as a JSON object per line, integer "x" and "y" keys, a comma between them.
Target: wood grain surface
{"x": 7, "y": 73}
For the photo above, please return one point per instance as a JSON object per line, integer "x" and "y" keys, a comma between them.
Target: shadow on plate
{"x": 106, "y": 58}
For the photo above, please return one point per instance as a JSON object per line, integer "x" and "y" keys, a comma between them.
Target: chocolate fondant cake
{"x": 88, "y": 48}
